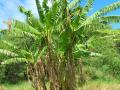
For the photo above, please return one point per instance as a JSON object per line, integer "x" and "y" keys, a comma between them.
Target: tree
{"x": 50, "y": 44}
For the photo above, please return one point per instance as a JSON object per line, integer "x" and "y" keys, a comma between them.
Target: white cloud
{"x": 9, "y": 9}
{"x": 30, "y": 4}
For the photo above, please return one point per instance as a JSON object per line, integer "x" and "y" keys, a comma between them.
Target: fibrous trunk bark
{"x": 36, "y": 75}
{"x": 82, "y": 78}
{"x": 52, "y": 69}
{"x": 70, "y": 73}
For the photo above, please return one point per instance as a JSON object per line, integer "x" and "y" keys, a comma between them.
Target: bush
{"x": 2, "y": 73}
{"x": 13, "y": 72}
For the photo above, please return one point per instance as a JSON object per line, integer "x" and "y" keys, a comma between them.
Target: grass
{"x": 20, "y": 86}
{"x": 92, "y": 85}
{"x": 101, "y": 85}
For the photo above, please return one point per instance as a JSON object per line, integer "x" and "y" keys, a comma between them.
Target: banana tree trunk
{"x": 36, "y": 75}
{"x": 52, "y": 65}
{"x": 82, "y": 78}
{"x": 70, "y": 73}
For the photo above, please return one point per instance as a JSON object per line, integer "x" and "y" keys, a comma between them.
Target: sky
{"x": 9, "y": 9}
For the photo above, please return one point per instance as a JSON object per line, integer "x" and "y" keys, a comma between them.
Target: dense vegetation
{"x": 62, "y": 49}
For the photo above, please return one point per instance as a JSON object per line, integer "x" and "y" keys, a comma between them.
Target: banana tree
{"x": 51, "y": 41}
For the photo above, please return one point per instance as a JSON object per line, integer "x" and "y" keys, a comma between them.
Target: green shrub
{"x": 13, "y": 72}
{"x": 2, "y": 73}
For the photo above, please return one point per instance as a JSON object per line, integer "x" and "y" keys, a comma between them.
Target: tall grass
{"x": 92, "y": 85}
{"x": 20, "y": 86}
{"x": 101, "y": 85}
